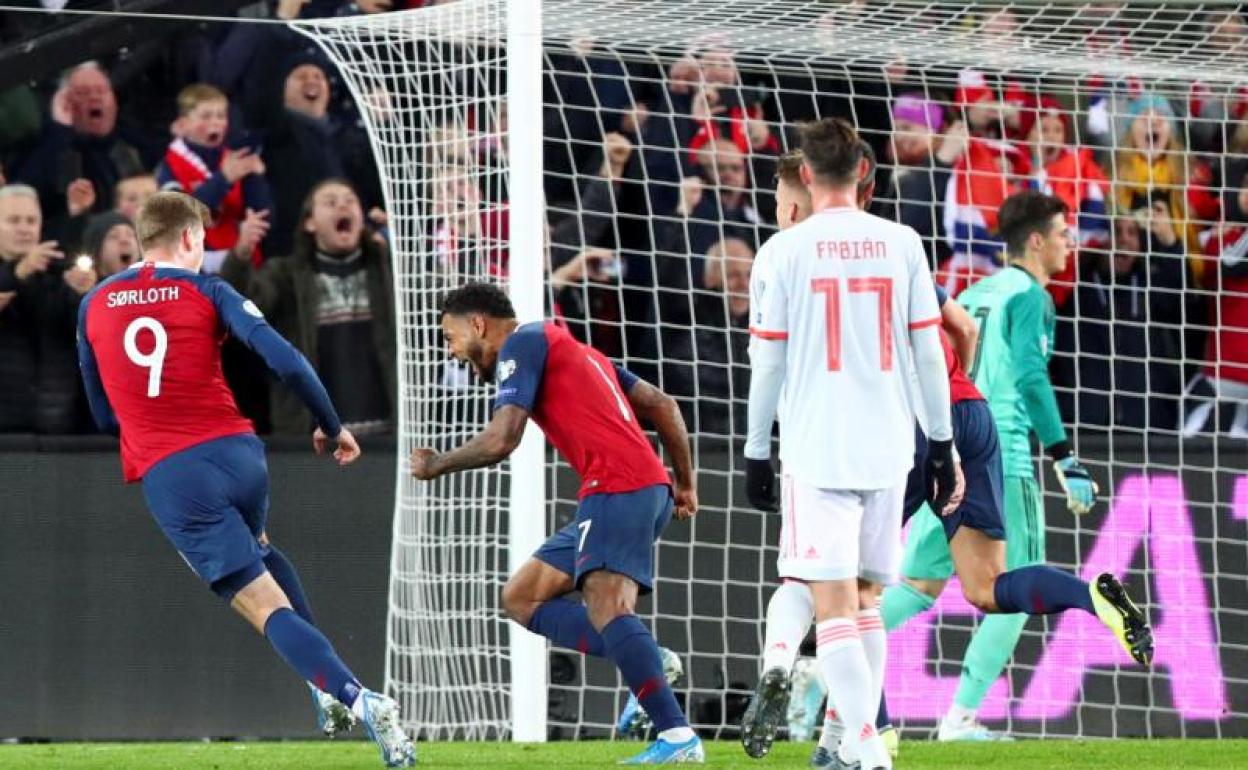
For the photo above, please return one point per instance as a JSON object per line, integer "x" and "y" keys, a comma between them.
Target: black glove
{"x": 760, "y": 485}
{"x": 941, "y": 469}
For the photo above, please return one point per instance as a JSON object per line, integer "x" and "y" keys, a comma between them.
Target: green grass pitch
{"x": 347, "y": 755}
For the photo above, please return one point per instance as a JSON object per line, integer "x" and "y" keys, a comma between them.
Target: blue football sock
{"x": 566, "y": 623}
{"x": 284, "y": 573}
{"x": 881, "y": 716}
{"x": 1040, "y": 590}
{"x": 308, "y": 652}
{"x": 632, "y": 649}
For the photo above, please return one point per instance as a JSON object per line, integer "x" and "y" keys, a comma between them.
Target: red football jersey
{"x": 1226, "y": 346}
{"x": 579, "y": 400}
{"x": 960, "y": 386}
{"x": 154, "y": 334}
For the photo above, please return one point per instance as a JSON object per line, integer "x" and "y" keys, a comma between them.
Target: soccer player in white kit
{"x": 843, "y": 313}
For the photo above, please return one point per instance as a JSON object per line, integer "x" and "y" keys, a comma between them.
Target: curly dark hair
{"x": 484, "y": 298}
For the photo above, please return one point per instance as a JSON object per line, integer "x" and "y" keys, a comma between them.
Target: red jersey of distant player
{"x": 580, "y": 401}
{"x": 156, "y": 335}
{"x": 960, "y": 386}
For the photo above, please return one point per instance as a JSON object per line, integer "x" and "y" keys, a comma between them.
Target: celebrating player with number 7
{"x": 589, "y": 409}
{"x": 149, "y": 346}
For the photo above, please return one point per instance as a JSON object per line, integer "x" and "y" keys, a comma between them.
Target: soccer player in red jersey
{"x": 149, "y": 346}
{"x": 589, "y": 409}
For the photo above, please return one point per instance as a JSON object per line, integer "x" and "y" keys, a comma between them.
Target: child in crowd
{"x": 230, "y": 182}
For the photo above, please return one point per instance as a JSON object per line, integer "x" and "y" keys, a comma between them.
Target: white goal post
{"x": 611, "y": 161}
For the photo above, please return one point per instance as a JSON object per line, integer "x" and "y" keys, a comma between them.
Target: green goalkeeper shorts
{"x": 927, "y": 554}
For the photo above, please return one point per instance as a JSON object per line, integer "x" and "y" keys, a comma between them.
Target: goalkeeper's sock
{"x": 1040, "y": 590}
{"x": 566, "y": 623}
{"x": 308, "y": 652}
{"x": 848, "y": 676}
{"x": 875, "y": 645}
{"x": 632, "y": 649}
{"x": 789, "y": 614}
{"x": 902, "y": 601}
{"x": 990, "y": 648}
{"x": 284, "y": 573}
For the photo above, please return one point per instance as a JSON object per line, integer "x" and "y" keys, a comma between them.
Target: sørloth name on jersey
{"x": 149, "y": 296}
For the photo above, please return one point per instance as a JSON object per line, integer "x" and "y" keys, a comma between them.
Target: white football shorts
{"x": 837, "y": 534}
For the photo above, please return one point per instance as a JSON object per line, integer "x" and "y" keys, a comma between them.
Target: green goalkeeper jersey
{"x": 1015, "y": 316}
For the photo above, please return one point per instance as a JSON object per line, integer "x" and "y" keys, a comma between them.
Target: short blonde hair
{"x": 196, "y": 94}
{"x": 789, "y": 168}
{"x": 165, "y": 215}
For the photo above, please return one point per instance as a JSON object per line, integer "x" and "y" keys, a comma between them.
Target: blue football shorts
{"x": 212, "y": 500}
{"x": 615, "y": 532}
{"x": 975, "y": 436}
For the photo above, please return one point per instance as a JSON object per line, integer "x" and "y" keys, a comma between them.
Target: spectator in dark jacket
{"x": 724, "y": 208}
{"x": 1130, "y": 313}
{"x": 48, "y": 291}
{"x": 83, "y": 140}
{"x": 923, "y": 162}
{"x": 708, "y": 365}
{"x": 19, "y": 235}
{"x": 333, "y": 299}
{"x": 111, "y": 243}
{"x": 303, "y": 145}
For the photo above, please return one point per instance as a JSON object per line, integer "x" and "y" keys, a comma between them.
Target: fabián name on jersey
{"x": 866, "y": 248}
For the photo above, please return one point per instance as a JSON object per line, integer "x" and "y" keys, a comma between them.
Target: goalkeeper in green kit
{"x": 1015, "y": 316}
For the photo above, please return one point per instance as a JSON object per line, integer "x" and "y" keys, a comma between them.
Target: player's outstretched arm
{"x": 246, "y": 324}
{"x": 1026, "y": 330}
{"x": 492, "y": 445}
{"x": 661, "y": 410}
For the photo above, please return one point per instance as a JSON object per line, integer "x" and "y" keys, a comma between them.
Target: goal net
{"x": 662, "y": 122}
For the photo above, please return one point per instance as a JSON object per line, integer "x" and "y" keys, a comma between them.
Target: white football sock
{"x": 789, "y": 614}
{"x": 845, "y": 669}
{"x": 830, "y": 738}
{"x": 959, "y": 714}
{"x": 357, "y": 708}
{"x": 875, "y": 644}
{"x": 677, "y": 734}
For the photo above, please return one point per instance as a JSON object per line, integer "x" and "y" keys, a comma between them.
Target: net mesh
{"x": 663, "y": 123}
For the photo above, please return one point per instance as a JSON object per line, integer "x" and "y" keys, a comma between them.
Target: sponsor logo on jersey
{"x": 250, "y": 308}
{"x": 506, "y": 369}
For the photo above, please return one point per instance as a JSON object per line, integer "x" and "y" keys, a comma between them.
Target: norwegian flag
{"x": 987, "y": 173}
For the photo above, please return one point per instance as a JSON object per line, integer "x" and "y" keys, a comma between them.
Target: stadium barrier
{"x": 107, "y": 635}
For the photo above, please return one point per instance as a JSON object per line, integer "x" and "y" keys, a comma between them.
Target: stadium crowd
{"x": 659, "y": 179}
